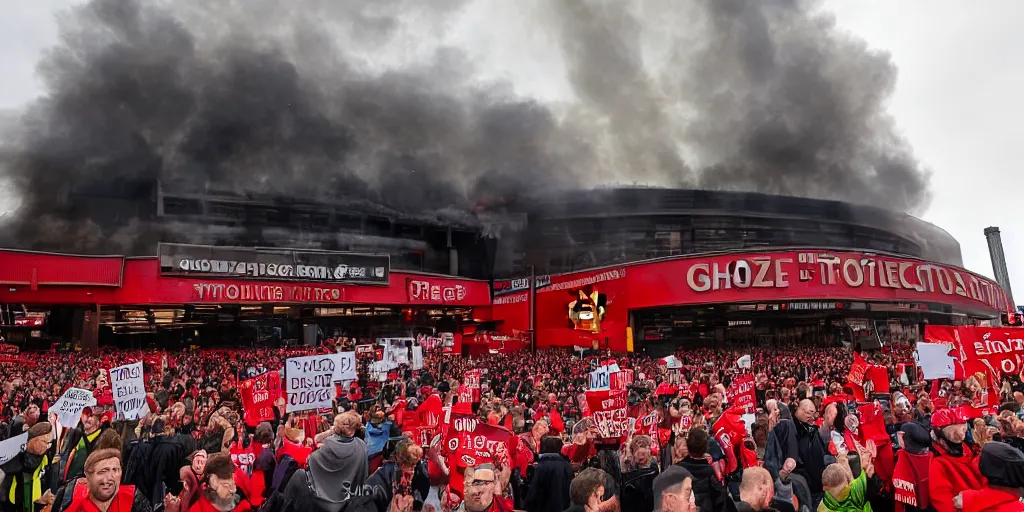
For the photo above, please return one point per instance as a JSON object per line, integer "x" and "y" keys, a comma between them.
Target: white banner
{"x": 10, "y": 448}
{"x": 600, "y": 379}
{"x": 128, "y": 385}
{"x": 310, "y": 382}
{"x": 744, "y": 362}
{"x": 379, "y": 370}
{"x": 935, "y": 361}
{"x": 417, "y": 358}
{"x": 345, "y": 366}
{"x": 68, "y": 407}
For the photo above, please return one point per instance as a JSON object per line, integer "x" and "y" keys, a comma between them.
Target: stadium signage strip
{"x": 852, "y": 271}
{"x": 339, "y": 267}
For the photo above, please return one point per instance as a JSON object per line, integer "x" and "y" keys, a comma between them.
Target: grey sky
{"x": 957, "y": 100}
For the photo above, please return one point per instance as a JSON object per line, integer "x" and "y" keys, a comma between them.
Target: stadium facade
{"x": 627, "y": 269}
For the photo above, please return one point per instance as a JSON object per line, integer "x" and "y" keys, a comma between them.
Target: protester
{"x": 1003, "y": 468}
{"x": 954, "y": 466}
{"x": 549, "y": 488}
{"x": 101, "y": 489}
{"x": 673, "y": 491}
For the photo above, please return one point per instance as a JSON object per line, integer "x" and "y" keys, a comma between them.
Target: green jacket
{"x": 854, "y": 498}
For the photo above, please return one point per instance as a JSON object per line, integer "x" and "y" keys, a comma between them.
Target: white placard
{"x": 600, "y": 379}
{"x": 10, "y": 448}
{"x": 310, "y": 382}
{"x": 417, "y": 358}
{"x": 744, "y": 362}
{"x": 614, "y": 368}
{"x": 935, "y": 361}
{"x": 345, "y": 366}
{"x": 68, "y": 407}
{"x": 128, "y": 385}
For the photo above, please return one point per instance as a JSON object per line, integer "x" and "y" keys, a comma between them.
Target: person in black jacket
{"x": 405, "y": 475}
{"x": 549, "y": 489}
{"x": 708, "y": 490}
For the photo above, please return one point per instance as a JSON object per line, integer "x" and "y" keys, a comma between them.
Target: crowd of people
{"x": 808, "y": 439}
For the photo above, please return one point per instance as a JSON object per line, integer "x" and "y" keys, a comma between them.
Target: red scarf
{"x": 910, "y": 479}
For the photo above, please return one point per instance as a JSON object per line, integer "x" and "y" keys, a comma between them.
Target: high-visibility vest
{"x": 37, "y": 484}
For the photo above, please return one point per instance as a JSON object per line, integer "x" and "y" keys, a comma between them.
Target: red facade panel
{"x": 43, "y": 269}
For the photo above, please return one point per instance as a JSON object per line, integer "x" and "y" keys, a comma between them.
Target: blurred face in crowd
{"x": 223, "y": 487}
{"x": 199, "y": 462}
{"x": 680, "y": 499}
{"x": 480, "y": 485}
{"x": 104, "y": 479}
{"x": 806, "y": 412}
{"x": 38, "y": 445}
{"x": 32, "y": 415}
{"x": 90, "y": 422}
{"x": 955, "y": 433}
{"x": 540, "y": 429}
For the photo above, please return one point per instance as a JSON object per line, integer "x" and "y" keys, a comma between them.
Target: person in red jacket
{"x": 1003, "y": 466}
{"x": 954, "y": 466}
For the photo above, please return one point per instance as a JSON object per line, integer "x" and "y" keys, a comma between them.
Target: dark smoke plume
{"x": 287, "y": 99}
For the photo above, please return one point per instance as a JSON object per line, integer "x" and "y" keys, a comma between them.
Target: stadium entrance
{"x": 209, "y": 296}
{"x": 859, "y": 325}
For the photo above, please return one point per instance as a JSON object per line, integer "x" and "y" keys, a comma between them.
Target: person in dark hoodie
{"x": 910, "y": 475}
{"x": 708, "y": 490}
{"x": 549, "y": 489}
{"x": 1003, "y": 466}
{"x": 336, "y": 474}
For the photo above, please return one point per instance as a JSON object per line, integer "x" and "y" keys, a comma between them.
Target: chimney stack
{"x": 995, "y": 252}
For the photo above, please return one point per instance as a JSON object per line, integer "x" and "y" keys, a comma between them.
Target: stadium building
{"x": 629, "y": 269}
{"x": 642, "y": 269}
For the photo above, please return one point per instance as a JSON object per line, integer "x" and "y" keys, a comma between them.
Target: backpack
{"x": 773, "y": 456}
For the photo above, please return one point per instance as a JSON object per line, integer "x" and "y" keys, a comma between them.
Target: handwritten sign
{"x": 417, "y": 358}
{"x": 128, "y": 386}
{"x": 600, "y": 379}
{"x": 310, "y": 382}
{"x": 10, "y": 448}
{"x": 345, "y": 366}
{"x": 471, "y": 379}
{"x": 69, "y": 406}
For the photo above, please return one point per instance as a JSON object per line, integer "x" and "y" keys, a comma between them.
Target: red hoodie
{"x": 949, "y": 476}
{"x": 991, "y": 500}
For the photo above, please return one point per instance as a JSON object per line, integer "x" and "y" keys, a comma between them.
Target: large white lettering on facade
{"x": 853, "y": 271}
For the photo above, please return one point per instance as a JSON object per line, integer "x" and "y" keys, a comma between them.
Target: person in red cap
{"x": 954, "y": 467}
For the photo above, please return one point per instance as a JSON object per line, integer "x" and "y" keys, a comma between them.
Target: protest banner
{"x": 345, "y": 366}
{"x": 471, "y": 441}
{"x": 600, "y": 379}
{"x": 69, "y": 406}
{"x": 621, "y": 379}
{"x": 471, "y": 380}
{"x": 742, "y": 393}
{"x": 258, "y": 396}
{"x": 609, "y": 409}
{"x": 128, "y": 385}
{"x": 310, "y": 382}
{"x": 10, "y": 448}
{"x": 417, "y": 358}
